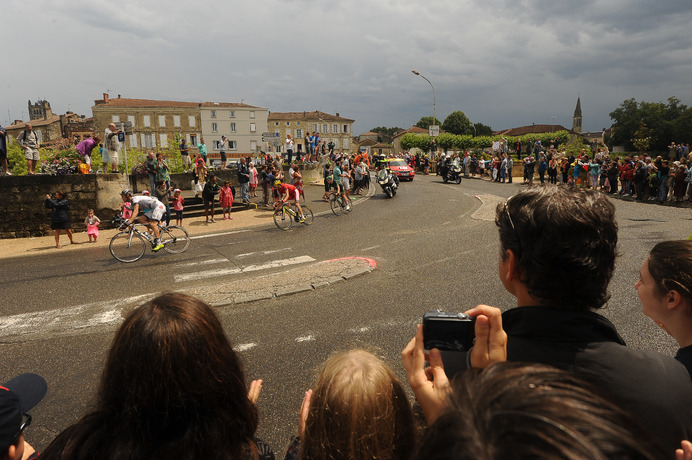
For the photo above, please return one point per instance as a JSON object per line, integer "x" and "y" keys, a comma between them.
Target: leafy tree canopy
{"x": 483, "y": 130}
{"x": 425, "y": 122}
{"x": 669, "y": 122}
{"x": 386, "y": 135}
{"x": 457, "y": 123}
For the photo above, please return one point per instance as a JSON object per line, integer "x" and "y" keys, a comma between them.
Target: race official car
{"x": 400, "y": 169}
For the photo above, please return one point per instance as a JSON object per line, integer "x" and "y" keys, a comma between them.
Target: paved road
{"x": 434, "y": 246}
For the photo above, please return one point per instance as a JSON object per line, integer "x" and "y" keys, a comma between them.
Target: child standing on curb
{"x": 178, "y": 202}
{"x": 92, "y": 222}
{"x": 226, "y": 200}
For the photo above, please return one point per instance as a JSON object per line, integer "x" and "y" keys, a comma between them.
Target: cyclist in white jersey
{"x": 153, "y": 211}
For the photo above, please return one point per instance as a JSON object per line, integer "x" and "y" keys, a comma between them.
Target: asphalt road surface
{"x": 435, "y": 247}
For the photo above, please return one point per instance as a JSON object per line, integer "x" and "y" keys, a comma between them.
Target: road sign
{"x": 434, "y": 130}
{"x": 270, "y": 137}
{"x": 121, "y": 137}
{"x": 126, "y": 126}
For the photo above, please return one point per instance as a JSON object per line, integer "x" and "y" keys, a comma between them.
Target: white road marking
{"x": 371, "y": 247}
{"x": 263, "y": 252}
{"x": 211, "y": 235}
{"x": 203, "y": 262}
{"x": 307, "y": 338}
{"x": 245, "y": 255}
{"x": 244, "y": 346}
{"x": 249, "y": 268}
{"x": 63, "y": 320}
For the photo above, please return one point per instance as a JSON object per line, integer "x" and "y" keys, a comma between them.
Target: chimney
{"x": 337, "y": 114}
{"x": 105, "y": 98}
{"x": 118, "y": 96}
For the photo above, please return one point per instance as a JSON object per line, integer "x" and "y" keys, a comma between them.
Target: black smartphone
{"x": 448, "y": 331}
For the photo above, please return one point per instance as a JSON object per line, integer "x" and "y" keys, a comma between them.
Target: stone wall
{"x": 23, "y": 213}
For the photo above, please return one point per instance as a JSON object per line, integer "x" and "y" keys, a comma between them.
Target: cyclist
{"x": 153, "y": 211}
{"x": 289, "y": 192}
{"x": 338, "y": 190}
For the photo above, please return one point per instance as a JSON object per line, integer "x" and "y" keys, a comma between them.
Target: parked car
{"x": 400, "y": 169}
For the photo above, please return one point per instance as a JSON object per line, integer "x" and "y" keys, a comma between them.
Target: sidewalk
{"x": 248, "y": 218}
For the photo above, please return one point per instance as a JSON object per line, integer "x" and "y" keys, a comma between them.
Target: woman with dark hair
{"x": 60, "y": 216}
{"x": 515, "y": 410}
{"x": 172, "y": 387}
{"x": 358, "y": 410}
{"x": 665, "y": 291}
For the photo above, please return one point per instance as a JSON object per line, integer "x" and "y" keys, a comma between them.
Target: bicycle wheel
{"x": 307, "y": 212}
{"x": 282, "y": 219}
{"x": 175, "y": 239}
{"x": 335, "y": 204}
{"x": 127, "y": 247}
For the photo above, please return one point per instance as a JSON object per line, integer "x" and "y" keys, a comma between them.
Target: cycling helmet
{"x": 277, "y": 182}
{"x": 126, "y": 192}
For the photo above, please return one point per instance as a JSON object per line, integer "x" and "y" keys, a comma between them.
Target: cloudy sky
{"x": 505, "y": 63}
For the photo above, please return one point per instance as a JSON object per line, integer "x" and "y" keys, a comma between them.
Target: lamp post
{"x": 415, "y": 72}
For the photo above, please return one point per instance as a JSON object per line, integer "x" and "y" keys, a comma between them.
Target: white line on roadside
{"x": 307, "y": 338}
{"x": 371, "y": 247}
{"x": 244, "y": 346}
{"x": 63, "y": 320}
{"x": 211, "y": 235}
{"x": 250, "y": 268}
{"x": 202, "y": 262}
{"x": 266, "y": 253}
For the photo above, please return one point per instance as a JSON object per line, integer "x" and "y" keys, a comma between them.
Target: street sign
{"x": 434, "y": 130}
{"x": 126, "y": 126}
{"x": 270, "y": 137}
{"x": 121, "y": 137}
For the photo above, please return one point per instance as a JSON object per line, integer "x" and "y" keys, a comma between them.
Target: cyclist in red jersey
{"x": 289, "y": 192}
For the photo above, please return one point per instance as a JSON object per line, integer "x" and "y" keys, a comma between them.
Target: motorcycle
{"x": 388, "y": 181}
{"x": 452, "y": 173}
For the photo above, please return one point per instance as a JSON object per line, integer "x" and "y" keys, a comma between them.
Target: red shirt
{"x": 287, "y": 187}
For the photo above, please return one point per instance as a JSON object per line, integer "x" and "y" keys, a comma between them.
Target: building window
{"x": 335, "y": 129}
{"x": 213, "y": 113}
{"x": 148, "y": 141}
{"x": 345, "y": 129}
{"x": 115, "y": 118}
{"x": 325, "y": 128}
{"x": 214, "y": 128}
{"x": 298, "y": 123}
{"x": 131, "y": 119}
{"x": 163, "y": 140}
{"x": 299, "y": 133}
{"x": 345, "y": 142}
{"x": 216, "y": 145}
{"x": 288, "y": 123}
{"x": 176, "y": 121}
{"x": 232, "y": 145}
{"x": 191, "y": 121}
{"x": 314, "y": 127}
{"x": 252, "y": 114}
{"x": 253, "y": 127}
{"x": 39, "y": 133}
{"x": 147, "y": 121}
{"x": 232, "y": 114}
{"x": 232, "y": 127}
{"x": 253, "y": 146}
{"x": 162, "y": 120}
{"x": 276, "y": 123}
{"x": 193, "y": 140}
{"x": 133, "y": 140}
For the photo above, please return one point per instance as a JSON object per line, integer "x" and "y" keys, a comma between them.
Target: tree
{"x": 457, "y": 123}
{"x": 482, "y": 130}
{"x": 642, "y": 138}
{"x": 386, "y": 135}
{"x": 425, "y": 122}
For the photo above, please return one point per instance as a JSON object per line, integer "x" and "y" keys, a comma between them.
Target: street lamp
{"x": 415, "y": 72}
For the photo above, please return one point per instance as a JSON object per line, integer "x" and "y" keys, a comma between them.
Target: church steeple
{"x": 576, "y": 121}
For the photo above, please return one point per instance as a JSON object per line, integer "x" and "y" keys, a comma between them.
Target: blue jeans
{"x": 152, "y": 183}
{"x": 244, "y": 187}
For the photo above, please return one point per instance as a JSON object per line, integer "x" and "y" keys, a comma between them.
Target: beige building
{"x": 154, "y": 123}
{"x": 242, "y": 125}
{"x": 331, "y": 128}
{"x": 396, "y": 142}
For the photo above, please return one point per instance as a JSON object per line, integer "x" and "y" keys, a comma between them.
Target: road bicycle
{"x": 340, "y": 203}
{"x": 286, "y": 214}
{"x": 129, "y": 245}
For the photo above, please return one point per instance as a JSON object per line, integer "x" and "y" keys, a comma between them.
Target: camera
{"x": 448, "y": 331}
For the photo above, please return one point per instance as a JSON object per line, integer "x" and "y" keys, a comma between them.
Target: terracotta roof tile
{"x": 35, "y": 123}
{"x": 315, "y": 115}
{"x": 532, "y": 129}
{"x": 224, "y": 105}
{"x": 143, "y": 103}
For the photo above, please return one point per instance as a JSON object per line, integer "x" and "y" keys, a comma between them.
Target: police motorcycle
{"x": 451, "y": 171}
{"x": 388, "y": 181}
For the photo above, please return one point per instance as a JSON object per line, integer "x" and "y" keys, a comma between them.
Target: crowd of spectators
{"x": 550, "y": 378}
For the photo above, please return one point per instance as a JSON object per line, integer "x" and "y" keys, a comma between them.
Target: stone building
{"x": 576, "y": 120}
{"x": 242, "y": 125}
{"x": 396, "y": 141}
{"x": 334, "y": 128}
{"x": 154, "y": 123}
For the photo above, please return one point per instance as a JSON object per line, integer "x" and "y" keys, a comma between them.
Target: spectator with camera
{"x": 558, "y": 250}
{"x": 17, "y": 398}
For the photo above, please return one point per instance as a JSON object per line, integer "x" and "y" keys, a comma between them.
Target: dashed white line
{"x": 211, "y": 235}
{"x": 307, "y": 338}
{"x": 244, "y": 346}
{"x": 203, "y": 262}
{"x": 250, "y": 268}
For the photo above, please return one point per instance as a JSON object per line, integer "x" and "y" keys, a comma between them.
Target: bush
{"x": 61, "y": 163}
